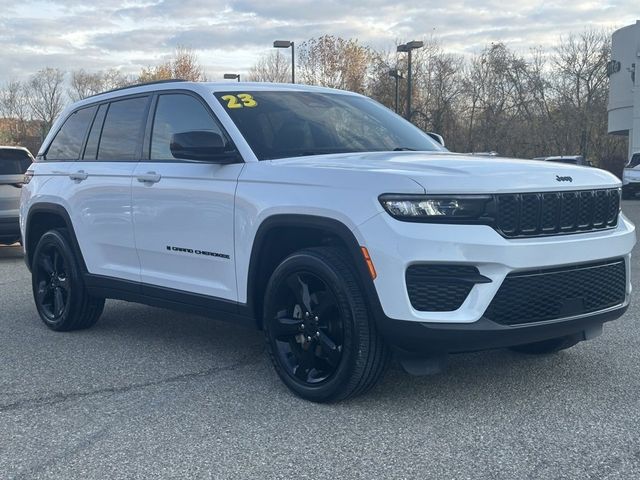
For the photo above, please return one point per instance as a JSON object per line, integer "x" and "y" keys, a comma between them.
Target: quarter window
{"x": 178, "y": 113}
{"x": 123, "y": 129}
{"x": 68, "y": 142}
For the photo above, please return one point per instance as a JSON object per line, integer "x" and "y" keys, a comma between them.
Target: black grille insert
{"x": 439, "y": 287}
{"x": 537, "y": 214}
{"x": 558, "y": 293}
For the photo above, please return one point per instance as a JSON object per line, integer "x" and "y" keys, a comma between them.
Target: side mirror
{"x": 202, "y": 146}
{"x": 437, "y": 138}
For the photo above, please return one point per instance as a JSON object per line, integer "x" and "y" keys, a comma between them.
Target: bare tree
{"x": 581, "y": 84}
{"x": 155, "y": 73}
{"x": 15, "y": 109}
{"x": 44, "y": 95}
{"x": 335, "y": 62}
{"x": 85, "y": 84}
{"x": 273, "y": 67}
{"x": 183, "y": 65}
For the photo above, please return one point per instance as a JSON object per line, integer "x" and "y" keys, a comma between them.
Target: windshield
{"x": 279, "y": 124}
{"x": 13, "y": 161}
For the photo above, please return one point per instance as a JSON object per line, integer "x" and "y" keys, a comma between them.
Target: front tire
{"x": 58, "y": 287}
{"x": 321, "y": 339}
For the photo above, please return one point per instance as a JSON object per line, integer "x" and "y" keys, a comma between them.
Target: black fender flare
{"x": 330, "y": 225}
{"x": 59, "y": 211}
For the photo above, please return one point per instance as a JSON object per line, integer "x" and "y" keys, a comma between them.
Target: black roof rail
{"x": 143, "y": 84}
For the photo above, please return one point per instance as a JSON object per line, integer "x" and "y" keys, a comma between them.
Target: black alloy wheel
{"x": 308, "y": 328}
{"x": 60, "y": 295}
{"x": 52, "y": 283}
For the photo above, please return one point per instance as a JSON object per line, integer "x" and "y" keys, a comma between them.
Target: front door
{"x": 183, "y": 210}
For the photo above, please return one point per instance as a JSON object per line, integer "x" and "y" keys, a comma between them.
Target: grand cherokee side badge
{"x": 563, "y": 179}
{"x": 197, "y": 252}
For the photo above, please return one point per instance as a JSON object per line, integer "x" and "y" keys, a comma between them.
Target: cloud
{"x": 230, "y": 34}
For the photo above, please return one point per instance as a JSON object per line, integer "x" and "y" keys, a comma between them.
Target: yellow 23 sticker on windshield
{"x": 240, "y": 100}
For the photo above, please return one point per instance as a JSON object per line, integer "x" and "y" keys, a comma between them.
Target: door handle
{"x": 149, "y": 177}
{"x": 79, "y": 176}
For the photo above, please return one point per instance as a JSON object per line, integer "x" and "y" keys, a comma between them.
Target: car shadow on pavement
{"x": 496, "y": 376}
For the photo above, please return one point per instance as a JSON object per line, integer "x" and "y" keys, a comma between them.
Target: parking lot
{"x": 149, "y": 393}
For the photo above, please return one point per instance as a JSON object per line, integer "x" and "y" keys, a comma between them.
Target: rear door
{"x": 183, "y": 210}
{"x": 99, "y": 188}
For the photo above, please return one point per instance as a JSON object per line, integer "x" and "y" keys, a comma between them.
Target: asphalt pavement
{"x": 149, "y": 393}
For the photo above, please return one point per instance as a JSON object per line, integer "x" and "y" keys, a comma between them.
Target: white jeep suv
{"x": 321, "y": 217}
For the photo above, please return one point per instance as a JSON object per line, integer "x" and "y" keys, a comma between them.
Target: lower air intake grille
{"x": 440, "y": 288}
{"x": 558, "y": 293}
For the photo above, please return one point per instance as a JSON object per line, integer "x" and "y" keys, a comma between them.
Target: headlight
{"x": 436, "y": 208}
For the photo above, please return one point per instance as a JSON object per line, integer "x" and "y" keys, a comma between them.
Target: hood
{"x": 443, "y": 172}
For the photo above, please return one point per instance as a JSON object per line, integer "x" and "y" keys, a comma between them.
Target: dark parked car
{"x": 14, "y": 162}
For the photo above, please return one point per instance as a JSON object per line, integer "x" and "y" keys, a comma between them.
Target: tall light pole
{"x": 232, "y": 76}
{"x": 408, "y": 48}
{"x": 287, "y": 44}
{"x": 397, "y": 74}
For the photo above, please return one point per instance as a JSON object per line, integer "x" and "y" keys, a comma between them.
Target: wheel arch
{"x": 274, "y": 241}
{"x": 43, "y": 217}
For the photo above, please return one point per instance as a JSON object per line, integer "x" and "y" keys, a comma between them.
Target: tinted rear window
{"x": 635, "y": 160}
{"x": 123, "y": 129}
{"x": 91, "y": 150}
{"x": 13, "y": 161}
{"x": 68, "y": 142}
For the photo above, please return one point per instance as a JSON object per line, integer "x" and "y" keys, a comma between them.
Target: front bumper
{"x": 432, "y": 338}
{"x": 394, "y": 246}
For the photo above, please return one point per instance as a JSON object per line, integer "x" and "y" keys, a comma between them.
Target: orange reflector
{"x": 367, "y": 258}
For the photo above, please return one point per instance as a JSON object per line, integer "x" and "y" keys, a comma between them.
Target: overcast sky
{"x": 230, "y": 35}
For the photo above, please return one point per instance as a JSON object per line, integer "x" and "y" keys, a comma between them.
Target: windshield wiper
{"x": 404, "y": 149}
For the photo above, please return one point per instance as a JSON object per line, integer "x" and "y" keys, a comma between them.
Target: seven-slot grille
{"x": 552, "y": 213}
{"x": 556, "y": 293}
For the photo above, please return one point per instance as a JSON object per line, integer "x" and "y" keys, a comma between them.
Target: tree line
{"x": 542, "y": 103}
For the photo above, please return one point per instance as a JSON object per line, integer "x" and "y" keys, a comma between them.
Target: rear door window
{"x": 68, "y": 142}
{"x": 13, "y": 161}
{"x": 123, "y": 129}
{"x": 91, "y": 150}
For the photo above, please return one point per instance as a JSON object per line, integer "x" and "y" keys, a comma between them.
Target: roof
{"x": 202, "y": 87}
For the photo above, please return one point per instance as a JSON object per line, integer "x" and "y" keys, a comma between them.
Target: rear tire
{"x": 321, "y": 339}
{"x": 58, "y": 287}
{"x": 546, "y": 347}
